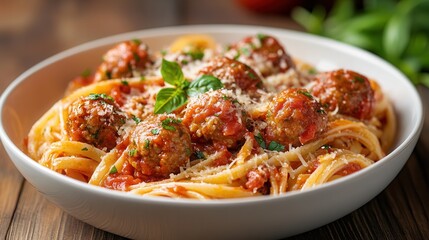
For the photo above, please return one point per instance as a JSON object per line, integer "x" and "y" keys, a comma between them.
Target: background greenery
{"x": 397, "y": 31}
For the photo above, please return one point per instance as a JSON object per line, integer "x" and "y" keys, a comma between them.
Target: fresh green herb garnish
{"x": 275, "y": 146}
{"x": 358, "y": 79}
{"x": 132, "y": 152}
{"x": 96, "y": 96}
{"x": 136, "y": 119}
{"x": 260, "y": 141}
{"x": 199, "y": 155}
{"x": 245, "y": 51}
{"x": 169, "y": 99}
{"x": 166, "y": 123}
{"x": 155, "y": 131}
{"x": 261, "y": 36}
{"x": 86, "y": 73}
{"x": 137, "y": 41}
{"x": 136, "y": 57}
{"x": 321, "y": 111}
{"x": 312, "y": 71}
{"x": 84, "y": 149}
{"x": 113, "y": 170}
{"x": 203, "y": 84}
{"x": 251, "y": 75}
{"x": 125, "y": 82}
{"x": 146, "y": 143}
{"x": 325, "y": 147}
{"x": 305, "y": 93}
{"x": 195, "y": 55}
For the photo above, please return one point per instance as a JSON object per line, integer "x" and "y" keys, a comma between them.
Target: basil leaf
{"x": 172, "y": 73}
{"x": 203, "y": 84}
{"x": 169, "y": 99}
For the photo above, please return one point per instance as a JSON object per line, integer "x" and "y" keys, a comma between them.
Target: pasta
{"x": 203, "y": 121}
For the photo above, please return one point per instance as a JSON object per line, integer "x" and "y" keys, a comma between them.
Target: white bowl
{"x": 32, "y": 93}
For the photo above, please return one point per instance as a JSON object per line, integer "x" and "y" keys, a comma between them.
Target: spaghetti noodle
{"x": 205, "y": 122}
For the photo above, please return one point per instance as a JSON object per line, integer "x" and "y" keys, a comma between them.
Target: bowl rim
{"x": 204, "y": 28}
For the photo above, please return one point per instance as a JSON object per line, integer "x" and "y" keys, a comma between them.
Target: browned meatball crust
{"x": 233, "y": 74}
{"x": 294, "y": 117}
{"x": 262, "y": 52}
{"x": 95, "y": 119}
{"x": 215, "y": 116}
{"x": 123, "y": 59}
{"x": 346, "y": 90}
{"x": 159, "y": 146}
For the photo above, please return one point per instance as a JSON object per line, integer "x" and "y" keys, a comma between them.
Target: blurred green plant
{"x": 397, "y": 31}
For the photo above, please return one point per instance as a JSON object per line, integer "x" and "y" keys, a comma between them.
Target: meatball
{"x": 346, "y": 90}
{"x": 95, "y": 120}
{"x": 159, "y": 146}
{"x": 122, "y": 60}
{"x": 294, "y": 117}
{"x": 217, "y": 117}
{"x": 263, "y": 53}
{"x": 233, "y": 74}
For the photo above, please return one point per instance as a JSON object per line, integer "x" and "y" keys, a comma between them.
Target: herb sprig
{"x": 169, "y": 99}
{"x": 395, "y": 30}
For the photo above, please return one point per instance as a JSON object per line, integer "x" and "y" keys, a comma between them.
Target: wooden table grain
{"x": 31, "y": 31}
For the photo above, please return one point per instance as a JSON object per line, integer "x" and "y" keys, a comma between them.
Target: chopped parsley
{"x": 86, "y": 73}
{"x": 136, "y": 41}
{"x": 96, "y": 96}
{"x": 260, "y": 141}
{"x": 113, "y": 170}
{"x": 136, "y": 119}
{"x": 195, "y": 55}
{"x": 132, "y": 152}
{"x": 166, "y": 123}
{"x": 245, "y": 51}
{"x": 275, "y": 146}
{"x": 136, "y": 57}
{"x": 125, "y": 82}
{"x": 358, "y": 79}
{"x": 325, "y": 147}
{"x": 312, "y": 71}
{"x": 261, "y": 36}
{"x": 237, "y": 56}
{"x": 199, "y": 155}
{"x": 155, "y": 131}
{"x": 321, "y": 111}
{"x": 305, "y": 93}
{"x": 251, "y": 75}
{"x": 84, "y": 149}
{"x": 146, "y": 143}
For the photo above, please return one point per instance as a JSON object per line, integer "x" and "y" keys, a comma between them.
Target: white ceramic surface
{"x": 32, "y": 93}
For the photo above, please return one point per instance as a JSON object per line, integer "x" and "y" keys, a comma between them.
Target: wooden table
{"x": 31, "y": 31}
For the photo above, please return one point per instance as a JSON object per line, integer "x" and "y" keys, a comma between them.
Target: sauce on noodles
{"x": 200, "y": 120}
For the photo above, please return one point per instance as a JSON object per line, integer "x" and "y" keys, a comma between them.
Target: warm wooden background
{"x": 31, "y": 31}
